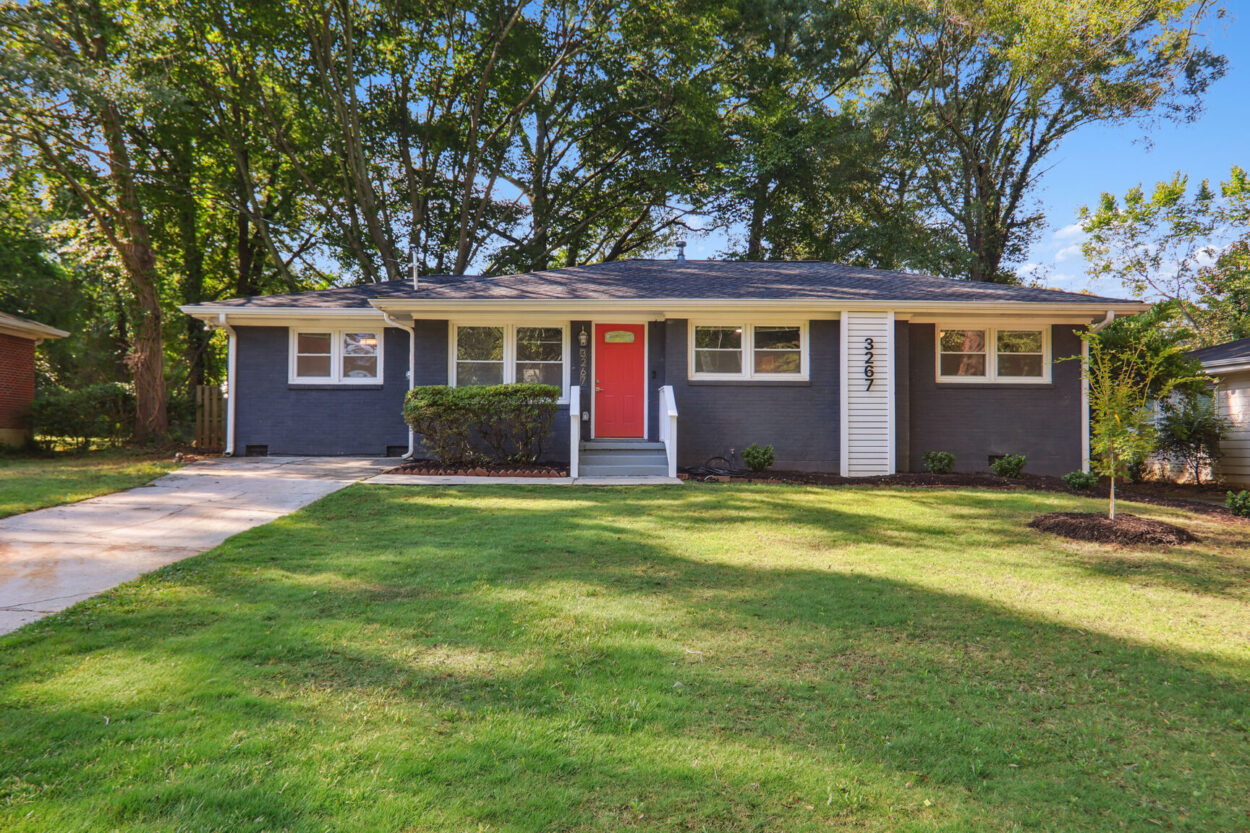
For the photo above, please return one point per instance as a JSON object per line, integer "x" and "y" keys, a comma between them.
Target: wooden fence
{"x": 210, "y": 418}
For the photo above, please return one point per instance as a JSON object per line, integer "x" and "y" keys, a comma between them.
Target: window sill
{"x": 751, "y": 383}
{"x": 333, "y": 386}
{"x": 1040, "y": 385}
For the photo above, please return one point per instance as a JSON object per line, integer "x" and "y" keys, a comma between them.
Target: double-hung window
{"x": 336, "y": 357}
{"x": 501, "y": 354}
{"x": 748, "y": 351}
{"x": 993, "y": 354}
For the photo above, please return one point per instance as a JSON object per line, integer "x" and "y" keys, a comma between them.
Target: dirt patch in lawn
{"x": 1125, "y": 529}
{"x": 433, "y": 467}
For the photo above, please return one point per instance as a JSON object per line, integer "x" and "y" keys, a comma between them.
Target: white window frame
{"x": 748, "y": 351}
{"x": 336, "y": 376}
{"x": 992, "y": 376}
{"x": 509, "y": 350}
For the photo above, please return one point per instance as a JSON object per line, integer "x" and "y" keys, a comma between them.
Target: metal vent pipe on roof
{"x": 681, "y": 251}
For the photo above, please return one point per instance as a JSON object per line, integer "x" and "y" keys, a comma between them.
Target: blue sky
{"x": 1113, "y": 159}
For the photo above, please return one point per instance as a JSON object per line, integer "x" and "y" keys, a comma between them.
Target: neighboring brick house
{"x": 18, "y": 338}
{"x": 840, "y": 368}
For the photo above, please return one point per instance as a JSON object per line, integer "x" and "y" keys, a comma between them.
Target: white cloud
{"x": 1069, "y": 232}
{"x": 1068, "y": 253}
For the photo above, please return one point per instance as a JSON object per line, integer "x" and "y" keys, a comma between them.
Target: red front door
{"x": 620, "y": 380}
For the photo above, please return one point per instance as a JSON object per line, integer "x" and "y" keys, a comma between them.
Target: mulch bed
{"x": 434, "y": 469}
{"x": 1125, "y": 529}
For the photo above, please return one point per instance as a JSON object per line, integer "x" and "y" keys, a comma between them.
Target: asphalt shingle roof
{"x": 1229, "y": 351}
{"x": 689, "y": 280}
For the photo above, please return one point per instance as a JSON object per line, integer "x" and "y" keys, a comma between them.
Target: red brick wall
{"x": 17, "y": 380}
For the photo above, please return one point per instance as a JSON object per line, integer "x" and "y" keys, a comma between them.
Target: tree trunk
{"x": 196, "y": 348}
{"x": 759, "y": 210}
{"x": 147, "y": 349}
{"x": 1111, "y": 505}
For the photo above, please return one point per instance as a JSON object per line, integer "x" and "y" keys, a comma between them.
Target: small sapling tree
{"x": 1123, "y": 383}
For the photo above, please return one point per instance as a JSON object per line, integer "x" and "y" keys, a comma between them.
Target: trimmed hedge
{"x": 105, "y": 411}
{"x": 490, "y": 424}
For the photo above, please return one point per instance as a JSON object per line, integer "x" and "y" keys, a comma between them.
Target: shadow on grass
{"x": 555, "y": 659}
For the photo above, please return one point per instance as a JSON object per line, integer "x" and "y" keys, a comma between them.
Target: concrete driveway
{"x": 55, "y": 557}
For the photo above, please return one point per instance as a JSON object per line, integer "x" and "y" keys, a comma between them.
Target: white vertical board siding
{"x": 1232, "y": 399}
{"x": 867, "y": 410}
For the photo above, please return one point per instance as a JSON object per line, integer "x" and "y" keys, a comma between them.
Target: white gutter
{"x": 232, "y": 358}
{"x": 1093, "y": 328}
{"x": 1225, "y": 366}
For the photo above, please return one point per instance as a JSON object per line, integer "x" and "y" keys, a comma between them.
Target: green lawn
{"x": 34, "y": 482}
{"x": 716, "y": 658}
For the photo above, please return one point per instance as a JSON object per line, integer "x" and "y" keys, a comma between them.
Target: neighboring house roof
{"x": 25, "y": 328}
{"x": 1232, "y": 355}
{"x": 669, "y": 280}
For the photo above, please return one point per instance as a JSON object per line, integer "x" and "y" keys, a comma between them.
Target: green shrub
{"x": 939, "y": 462}
{"x": 491, "y": 423}
{"x": 1009, "y": 465}
{"x": 104, "y": 411}
{"x": 756, "y": 458}
{"x": 1081, "y": 481}
{"x": 1190, "y": 432}
{"x": 1239, "y": 503}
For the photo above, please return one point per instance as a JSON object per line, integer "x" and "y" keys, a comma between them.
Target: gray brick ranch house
{"x": 842, "y": 369}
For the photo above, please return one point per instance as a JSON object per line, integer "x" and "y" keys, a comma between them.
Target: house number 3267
{"x": 868, "y": 369}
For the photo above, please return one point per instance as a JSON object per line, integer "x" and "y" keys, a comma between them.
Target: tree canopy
{"x": 167, "y": 152}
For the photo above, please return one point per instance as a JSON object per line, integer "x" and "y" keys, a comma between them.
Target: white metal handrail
{"x": 668, "y": 427}
{"x": 575, "y": 427}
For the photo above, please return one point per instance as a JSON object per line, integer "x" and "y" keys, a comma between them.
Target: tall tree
{"x": 987, "y": 89}
{"x": 71, "y": 80}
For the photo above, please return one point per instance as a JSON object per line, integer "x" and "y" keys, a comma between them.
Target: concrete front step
{"x": 621, "y": 445}
{"x": 622, "y": 470}
{"x": 622, "y": 458}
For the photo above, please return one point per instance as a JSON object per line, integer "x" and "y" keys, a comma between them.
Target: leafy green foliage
{"x": 1190, "y": 431}
{"x": 101, "y": 411}
{"x": 939, "y": 462}
{"x": 1080, "y": 481}
{"x": 1188, "y": 248}
{"x": 1239, "y": 503}
{"x": 1009, "y": 465}
{"x": 980, "y": 93}
{"x": 491, "y": 423}
{"x": 1160, "y": 339}
{"x": 757, "y": 458}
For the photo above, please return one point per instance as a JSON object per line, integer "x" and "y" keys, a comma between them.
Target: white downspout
{"x": 1085, "y": 406}
{"x": 1093, "y": 328}
{"x": 412, "y": 368}
{"x": 232, "y": 360}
